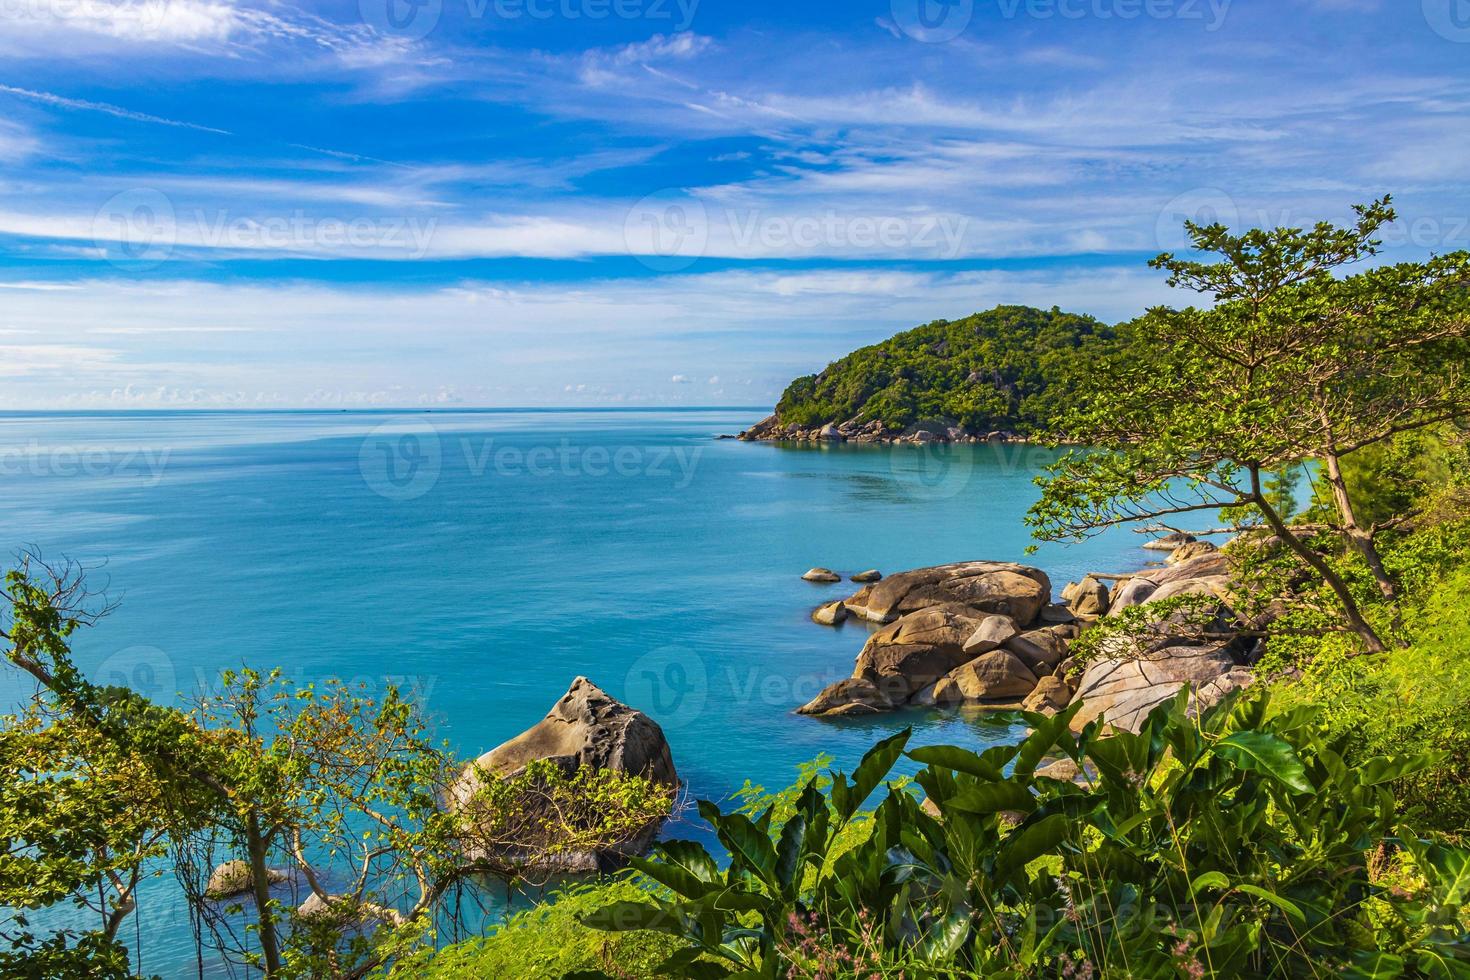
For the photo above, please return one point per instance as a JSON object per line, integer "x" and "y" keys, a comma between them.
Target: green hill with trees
{"x": 1011, "y": 369}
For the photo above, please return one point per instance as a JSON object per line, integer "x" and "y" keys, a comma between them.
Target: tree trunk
{"x": 1372, "y": 643}
{"x": 1358, "y": 538}
{"x": 260, "y": 886}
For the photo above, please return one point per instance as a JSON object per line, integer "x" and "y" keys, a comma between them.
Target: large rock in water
{"x": 1003, "y": 588}
{"x": 1125, "y": 690}
{"x": 996, "y": 676}
{"x": 586, "y": 727}
{"x": 853, "y": 696}
{"x": 916, "y": 650}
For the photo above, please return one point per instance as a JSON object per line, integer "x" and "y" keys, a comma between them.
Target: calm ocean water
{"x": 485, "y": 559}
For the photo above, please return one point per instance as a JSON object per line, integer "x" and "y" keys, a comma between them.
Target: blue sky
{"x": 231, "y": 203}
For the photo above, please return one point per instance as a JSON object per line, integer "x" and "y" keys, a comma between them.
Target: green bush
{"x": 1237, "y": 845}
{"x": 550, "y": 941}
{"x": 1409, "y": 700}
{"x": 546, "y": 810}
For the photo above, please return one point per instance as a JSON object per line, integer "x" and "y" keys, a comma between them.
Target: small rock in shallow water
{"x": 234, "y": 878}
{"x": 871, "y": 575}
{"x": 822, "y": 575}
{"x": 829, "y": 615}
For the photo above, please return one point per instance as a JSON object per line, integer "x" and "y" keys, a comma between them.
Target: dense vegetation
{"x": 1315, "y": 826}
{"x": 337, "y": 792}
{"x": 1012, "y": 368}
{"x": 1240, "y": 844}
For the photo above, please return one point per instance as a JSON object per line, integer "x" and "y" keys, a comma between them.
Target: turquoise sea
{"x": 484, "y": 559}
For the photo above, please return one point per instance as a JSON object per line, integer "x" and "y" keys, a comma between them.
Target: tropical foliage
{"x": 1290, "y": 365}
{"x": 1012, "y": 368}
{"x": 344, "y": 791}
{"x": 1237, "y": 845}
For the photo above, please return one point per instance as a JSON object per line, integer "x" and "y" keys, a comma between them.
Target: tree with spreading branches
{"x": 1290, "y": 365}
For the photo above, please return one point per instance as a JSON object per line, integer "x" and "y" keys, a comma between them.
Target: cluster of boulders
{"x": 988, "y": 633}
{"x": 772, "y": 429}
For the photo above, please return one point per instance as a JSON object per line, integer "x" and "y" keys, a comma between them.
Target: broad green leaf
{"x": 675, "y": 877}
{"x": 749, "y": 846}
{"x": 958, "y": 759}
{"x": 1267, "y": 754}
{"x": 1210, "y": 879}
{"x": 1289, "y": 907}
{"x": 875, "y": 767}
{"x": 1027, "y": 843}
{"x": 992, "y": 798}
{"x": 1385, "y": 770}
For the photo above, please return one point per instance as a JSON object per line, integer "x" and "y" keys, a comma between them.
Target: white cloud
{"x": 186, "y": 342}
{"x": 62, "y": 102}
{"x": 169, "y": 21}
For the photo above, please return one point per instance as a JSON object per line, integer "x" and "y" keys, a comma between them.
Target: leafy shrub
{"x": 546, "y": 810}
{"x": 550, "y": 941}
{"x": 1415, "y": 700}
{"x": 1237, "y": 845}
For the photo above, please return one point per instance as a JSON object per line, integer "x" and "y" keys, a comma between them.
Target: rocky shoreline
{"x": 979, "y": 633}
{"x": 989, "y": 634}
{"x": 772, "y": 429}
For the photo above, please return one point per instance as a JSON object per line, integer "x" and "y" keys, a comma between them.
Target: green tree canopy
{"x": 1011, "y": 368}
{"x": 1290, "y": 364}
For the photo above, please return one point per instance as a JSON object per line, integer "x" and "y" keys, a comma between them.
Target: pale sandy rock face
{"x": 1005, "y": 588}
{"x": 586, "y": 727}
{"x": 1126, "y": 690}
{"x": 1135, "y": 591}
{"x": 997, "y": 675}
{"x": 914, "y": 651}
{"x": 1050, "y": 696}
{"x": 991, "y": 634}
{"x": 1192, "y": 549}
{"x": 830, "y": 614}
{"x": 234, "y": 878}
{"x": 1087, "y": 598}
{"x": 1041, "y": 650}
{"x": 855, "y": 695}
